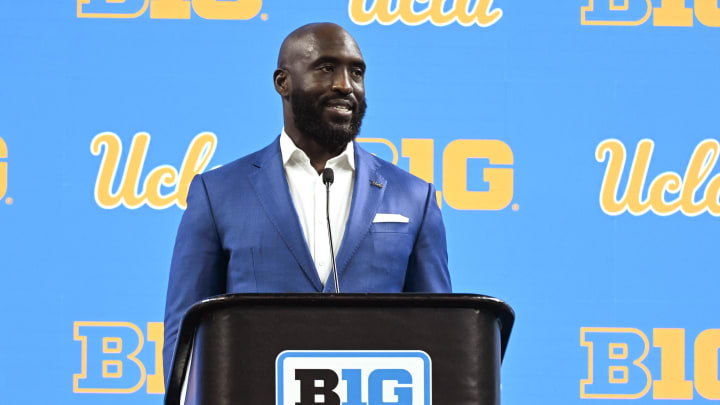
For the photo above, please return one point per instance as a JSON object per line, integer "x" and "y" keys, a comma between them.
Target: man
{"x": 258, "y": 223}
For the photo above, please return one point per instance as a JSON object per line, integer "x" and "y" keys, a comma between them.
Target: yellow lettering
{"x": 158, "y": 177}
{"x": 606, "y": 12}
{"x": 614, "y": 150}
{"x": 667, "y": 182}
{"x": 196, "y": 160}
{"x": 618, "y": 374}
{"x": 3, "y": 168}
{"x": 636, "y": 180}
{"x": 379, "y": 10}
{"x": 706, "y": 364}
{"x": 227, "y": 9}
{"x": 712, "y": 194}
{"x": 408, "y": 15}
{"x": 455, "y": 174}
{"x": 421, "y": 155}
{"x": 622, "y": 363}
{"x": 480, "y": 15}
{"x": 108, "y": 167}
{"x": 405, "y": 11}
{"x": 673, "y": 13}
{"x": 104, "y": 196}
{"x": 175, "y": 9}
{"x": 672, "y": 383}
{"x": 112, "y": 8}
{"x": 156, "y": 381}
{"x": 707, "y": 12}
{"x": 701, "y": 163}
{"x": 440, "y": 18}
{"x": 133, "y": 169}
{"x": 108, "y": 361}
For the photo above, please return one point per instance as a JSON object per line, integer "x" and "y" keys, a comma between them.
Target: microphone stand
{"x": 328, "y": 176}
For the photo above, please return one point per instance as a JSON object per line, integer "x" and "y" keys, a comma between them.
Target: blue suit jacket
{"x": 241, "y": 234}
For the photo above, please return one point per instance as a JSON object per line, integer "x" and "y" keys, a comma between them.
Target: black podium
{"x": 359, "y": 349}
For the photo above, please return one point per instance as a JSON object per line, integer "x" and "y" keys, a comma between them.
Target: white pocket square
{"x": 391, "y": 218}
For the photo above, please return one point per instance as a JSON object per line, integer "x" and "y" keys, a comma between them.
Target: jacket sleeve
{"x": 199, "y": 265}
{"x": 428, "y": 264}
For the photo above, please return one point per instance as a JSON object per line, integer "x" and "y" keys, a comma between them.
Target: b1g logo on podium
{"x": 353, "y": 378}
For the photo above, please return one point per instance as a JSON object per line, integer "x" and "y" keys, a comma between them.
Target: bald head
{"x": 321, "y": 80}
{"x": 304, "y": 41}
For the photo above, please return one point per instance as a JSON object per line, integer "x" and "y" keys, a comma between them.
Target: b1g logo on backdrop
{"x": 410, "y": 12}
{"x": 353, "y": 378}
{"x": 169, "y": 9}
{"x": 671, "y": 13}
{"x": 617, "y": 364}
{"x": 115, "y": 359}
{"x": 693, "y": 193}
{"x": 477, "y": 174}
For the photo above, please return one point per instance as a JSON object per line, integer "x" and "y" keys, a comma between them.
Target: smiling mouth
{"x": 340, "y": 108}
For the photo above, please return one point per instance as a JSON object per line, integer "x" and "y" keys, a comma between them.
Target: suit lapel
{"x": 271, "y": 188}
{"x": 367, "y": 194}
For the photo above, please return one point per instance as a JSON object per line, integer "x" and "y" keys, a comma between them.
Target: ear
{"x": 281, "y": 79}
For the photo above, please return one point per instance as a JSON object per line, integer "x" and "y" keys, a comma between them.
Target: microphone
{"x": 328, "y": 176}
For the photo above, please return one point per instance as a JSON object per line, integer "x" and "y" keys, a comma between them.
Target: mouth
{"x": 341, "y": 106}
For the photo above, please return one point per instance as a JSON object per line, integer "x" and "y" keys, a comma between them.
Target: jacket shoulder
{"x": 241, "y": 167}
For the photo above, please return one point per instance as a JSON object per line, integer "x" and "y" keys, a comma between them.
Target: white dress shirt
{"x": 308, "y": 195}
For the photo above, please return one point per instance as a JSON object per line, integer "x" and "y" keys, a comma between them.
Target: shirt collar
{"x": 288, "y": 150}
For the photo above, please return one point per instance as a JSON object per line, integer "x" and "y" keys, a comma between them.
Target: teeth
{"x": 340, "y": 108}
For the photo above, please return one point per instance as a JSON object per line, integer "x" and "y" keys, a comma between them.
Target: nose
{"x": 341, "y": 82}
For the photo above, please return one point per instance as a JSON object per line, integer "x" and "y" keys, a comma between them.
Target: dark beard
{"x": 309, "y": 120}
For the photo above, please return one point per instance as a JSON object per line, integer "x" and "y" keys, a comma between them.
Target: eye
{"x": 327, "y": 68}
{"x": 358, "y": 72}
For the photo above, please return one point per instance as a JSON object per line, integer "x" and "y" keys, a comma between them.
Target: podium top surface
{"x": 503, "y": 311}
{"x": 418, "y": 300}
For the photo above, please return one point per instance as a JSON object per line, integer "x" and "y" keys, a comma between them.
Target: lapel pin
{"x": 376, "y": 184}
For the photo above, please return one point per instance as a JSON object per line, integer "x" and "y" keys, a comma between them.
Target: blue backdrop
{"x": 574, "y": 144}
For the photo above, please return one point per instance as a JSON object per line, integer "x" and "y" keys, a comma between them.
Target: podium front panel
{"x": 236, "y": 347}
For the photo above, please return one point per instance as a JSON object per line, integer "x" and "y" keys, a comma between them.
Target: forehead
{"x": 328, "y": 45}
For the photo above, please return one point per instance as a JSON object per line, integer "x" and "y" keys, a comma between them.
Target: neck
{"x": 318, "y": 153}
